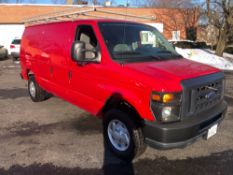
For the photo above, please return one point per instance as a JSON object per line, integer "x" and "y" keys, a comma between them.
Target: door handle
{"x": 69, "y": 75}
{"x": 51, "y": 70}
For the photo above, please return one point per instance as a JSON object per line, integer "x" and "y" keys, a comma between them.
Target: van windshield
{"x": 132, "y": 42}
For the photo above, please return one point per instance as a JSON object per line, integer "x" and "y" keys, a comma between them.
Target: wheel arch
{"x": 116, "y": 101}
{"x": 29, "y": 73}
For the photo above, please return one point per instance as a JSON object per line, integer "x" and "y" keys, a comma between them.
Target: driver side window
{"x": 86, "y": 34}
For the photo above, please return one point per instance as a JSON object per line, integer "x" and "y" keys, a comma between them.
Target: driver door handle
{"x": 69, "y": 75}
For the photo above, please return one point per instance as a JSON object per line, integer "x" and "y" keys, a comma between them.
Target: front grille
{"x": 202, "y": 93}
{"x": 206, "y": 96}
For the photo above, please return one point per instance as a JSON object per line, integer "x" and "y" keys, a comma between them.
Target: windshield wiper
{"x": 154, "y": 57}
{"x": 171, "y": 53}
{"x": 164, "y": 51}
{"x": 127, "y": 53}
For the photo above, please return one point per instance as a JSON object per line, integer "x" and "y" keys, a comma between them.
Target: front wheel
{"x": 123, "y": 135}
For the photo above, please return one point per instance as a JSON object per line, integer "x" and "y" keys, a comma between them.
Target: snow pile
{"x": 225, "y": 55}
{"x": 205, "y": 57}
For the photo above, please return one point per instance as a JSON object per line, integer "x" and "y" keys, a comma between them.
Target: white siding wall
{"x": 10, "y": 31}
{"x": 158, "y": 26}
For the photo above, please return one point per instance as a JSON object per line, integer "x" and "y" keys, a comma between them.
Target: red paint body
{"x": 46, "y": 51}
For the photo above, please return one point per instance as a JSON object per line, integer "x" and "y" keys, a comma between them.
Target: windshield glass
{"x": 136, "y": 42}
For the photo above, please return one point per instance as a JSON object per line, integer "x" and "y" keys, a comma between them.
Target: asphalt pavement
{"x": 56, "y": 138}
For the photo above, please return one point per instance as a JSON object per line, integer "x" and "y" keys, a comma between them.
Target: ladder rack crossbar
{"x": 66, "y": 14}
{"x": 56, "y": 15}
{"x": 124, "y": 14}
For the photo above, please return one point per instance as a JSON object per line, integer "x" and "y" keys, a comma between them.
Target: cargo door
{"x": 38, "y": 56}
{"x": 58, "y": 50}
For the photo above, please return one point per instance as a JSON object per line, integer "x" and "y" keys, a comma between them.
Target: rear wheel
{"x": 36, "y": 93}
{"x": 123, "y": 135}
{"x": 14, "y": 58}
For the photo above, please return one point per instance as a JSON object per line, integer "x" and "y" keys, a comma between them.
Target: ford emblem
{"x": 210, "y": 95}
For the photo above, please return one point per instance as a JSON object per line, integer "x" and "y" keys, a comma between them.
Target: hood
{"x": 171, "y": 72}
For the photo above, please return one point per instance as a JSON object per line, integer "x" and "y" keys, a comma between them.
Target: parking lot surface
{"x": 56, "y": 138}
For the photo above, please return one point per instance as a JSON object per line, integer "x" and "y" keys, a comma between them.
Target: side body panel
{"x": 45, "y": 50}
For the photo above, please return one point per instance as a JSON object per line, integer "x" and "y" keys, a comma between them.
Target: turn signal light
{"x": 167, "y": 98}
{"x": 156, "y": 97}
{"x": 163, "y": 98}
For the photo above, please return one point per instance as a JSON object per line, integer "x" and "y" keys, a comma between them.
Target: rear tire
{"x": 36, "y": 93}
{"x": 129, "y": 140}
{"x": 14, "y": 58}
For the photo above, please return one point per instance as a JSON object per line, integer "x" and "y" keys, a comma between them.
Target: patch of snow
{"x": 225, "y": 55}
{"x": 206, "y": 57}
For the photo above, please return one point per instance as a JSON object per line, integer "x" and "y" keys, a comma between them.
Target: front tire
{"x": 123, "y": 136}
{"x": 36, "y": 93}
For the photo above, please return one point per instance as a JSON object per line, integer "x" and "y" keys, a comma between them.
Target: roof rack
{"x": 71, "y": 14}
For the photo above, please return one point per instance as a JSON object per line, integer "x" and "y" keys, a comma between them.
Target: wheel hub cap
{"x": 32, "y": 89}
{"x": 118, "y": 135}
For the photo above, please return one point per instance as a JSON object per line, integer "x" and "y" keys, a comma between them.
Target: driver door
{"x": 84, "y": 77}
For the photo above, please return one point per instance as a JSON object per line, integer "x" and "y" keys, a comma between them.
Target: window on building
{"x": 176, "y": 35}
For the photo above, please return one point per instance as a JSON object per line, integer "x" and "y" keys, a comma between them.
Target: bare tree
{"x": 79, "y": 2}
{"x": 190, "y": 18}
{"x": 220, "y": 15}
{"x": 183, "y": 16}
{"x": 168, "y": 3}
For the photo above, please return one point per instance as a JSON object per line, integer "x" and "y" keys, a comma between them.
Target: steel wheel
{"x": 118, "y": 135}
{"x": 32, "y": 89}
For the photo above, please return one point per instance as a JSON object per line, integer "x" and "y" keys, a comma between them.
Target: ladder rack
{"x": 71, "y": 14}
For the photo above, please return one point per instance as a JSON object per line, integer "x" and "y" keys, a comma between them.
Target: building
{"x": 172, "y": 23}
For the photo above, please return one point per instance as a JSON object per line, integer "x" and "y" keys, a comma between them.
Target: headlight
{"x": 166, "y": 106}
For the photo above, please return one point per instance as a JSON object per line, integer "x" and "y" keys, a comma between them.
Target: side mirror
{"x": 80, "y": 53}
{"x": 77, "y": 52}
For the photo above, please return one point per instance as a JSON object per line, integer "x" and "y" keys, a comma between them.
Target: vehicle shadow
{"x": 12, "y": 93}
{"x": 88, "y": 124}
{"x": 114, "y": 166}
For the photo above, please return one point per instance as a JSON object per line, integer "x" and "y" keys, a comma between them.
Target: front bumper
{"x": 183, "y": 133}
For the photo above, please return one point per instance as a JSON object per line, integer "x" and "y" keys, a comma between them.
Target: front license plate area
{"x": 212, "y": 131}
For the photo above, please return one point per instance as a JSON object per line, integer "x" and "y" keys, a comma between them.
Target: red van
{"x": 130, "y": 76}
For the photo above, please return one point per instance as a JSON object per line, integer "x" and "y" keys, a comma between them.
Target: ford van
{"x": 130, "y": 76}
